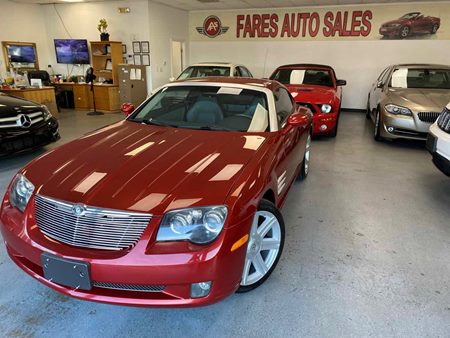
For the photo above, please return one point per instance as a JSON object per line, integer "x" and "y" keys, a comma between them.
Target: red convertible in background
{"x": 410, "y": 24}
{"x": 316, "y": 87}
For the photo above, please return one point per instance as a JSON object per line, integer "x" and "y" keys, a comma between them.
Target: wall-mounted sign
{"x": 372, "y": 22}
{"x": 212, "y": 27}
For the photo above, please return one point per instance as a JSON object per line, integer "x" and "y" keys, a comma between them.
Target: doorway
{"x": 177, "y": 58}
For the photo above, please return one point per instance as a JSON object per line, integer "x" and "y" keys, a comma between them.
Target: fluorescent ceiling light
{"x": 71, "y": 0}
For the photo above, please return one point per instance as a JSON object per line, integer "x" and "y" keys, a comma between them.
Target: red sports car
{"x": 177, "y": 205}
{"x": 316, "y": 87}
{"x": 410, "y": 24}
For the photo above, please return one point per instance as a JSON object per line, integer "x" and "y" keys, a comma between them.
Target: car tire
{"x": 368, "y": 109}
{"x": 434, "y": 29}
{"x": 404, "y": 32}
{"x": 267, "y": 230}
{"x": 335, "y": 130}
{"x": 304, "y": 170}
{"x": 377, "y": 132}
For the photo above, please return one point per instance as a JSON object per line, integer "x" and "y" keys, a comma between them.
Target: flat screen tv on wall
{"x": 72, "y": 51}
{"x": 21, "y": 54}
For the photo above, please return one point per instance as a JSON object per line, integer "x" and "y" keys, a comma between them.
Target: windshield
{"x": 420, "y": 78}
{"x": 206, "y": 107}
{"x": 410, "y": 16}
{"x": 202, "y": 71}
{"x": 317, "y": 77}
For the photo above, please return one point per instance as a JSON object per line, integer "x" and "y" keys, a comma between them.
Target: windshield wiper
{"x": 215, "y": 128}
{"x": 158, "y": 123}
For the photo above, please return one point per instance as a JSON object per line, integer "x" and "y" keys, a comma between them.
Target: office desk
{"x": 44, "y": 95}
{"x": 106, "y": 96}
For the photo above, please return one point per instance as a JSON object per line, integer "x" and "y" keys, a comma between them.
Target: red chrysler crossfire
{"x": 176, "y": 205}
{"x": 316, "y": 87}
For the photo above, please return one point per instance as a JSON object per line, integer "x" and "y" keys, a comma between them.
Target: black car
{"x": 24, "y": 125}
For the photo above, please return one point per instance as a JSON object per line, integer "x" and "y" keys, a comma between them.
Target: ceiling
{"x": 190, "y": 5}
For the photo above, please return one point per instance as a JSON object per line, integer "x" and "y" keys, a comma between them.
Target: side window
{"x": 283, "y": 105}
{"x": 236, "y": 72}
{"x": 244, "y": 71}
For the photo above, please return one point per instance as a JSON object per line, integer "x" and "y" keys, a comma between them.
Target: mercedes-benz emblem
{"x": 78, "y": 210}
{"x": 23, "y": 121}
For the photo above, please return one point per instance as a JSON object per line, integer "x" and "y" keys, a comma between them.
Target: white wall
{"x": 24, "y": 23}
{"x": 166, "y": 24}
{"x": 358, "y": 62}
{"x": 81, "y": 21}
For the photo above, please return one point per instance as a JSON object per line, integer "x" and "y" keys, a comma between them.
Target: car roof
{"x": 421, "y": 65}
{"x": 306, "y": 65}
{"x": 248, "y": 81}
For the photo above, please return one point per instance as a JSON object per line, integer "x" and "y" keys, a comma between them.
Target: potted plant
{"x": 102, "y": 25}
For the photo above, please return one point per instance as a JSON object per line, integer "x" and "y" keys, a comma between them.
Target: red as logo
{"x": 212, "y": 27}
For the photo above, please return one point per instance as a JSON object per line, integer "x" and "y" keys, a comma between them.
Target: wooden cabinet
{"x": 106, "y": 55}
{"x": 107, "y": 98}
{"x": 82, "y": 97}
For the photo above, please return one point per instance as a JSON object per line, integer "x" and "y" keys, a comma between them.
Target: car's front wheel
{"x": 304, "y": 171}
{"x": 265, "y": 245}
{"x": 434, "y": 29}
{"x": 377, "y": 132}
{"x": 404, "y": 32}
{"x": 368, "y": 108}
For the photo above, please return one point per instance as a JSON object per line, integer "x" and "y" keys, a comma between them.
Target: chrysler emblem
{"x": 23, "y": 121}
{"x": 78, "y": 210}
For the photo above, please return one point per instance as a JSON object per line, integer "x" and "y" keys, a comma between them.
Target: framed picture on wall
{"x": 137, "y": 59}
{"x": 146, "y": 59}
{"x": 124, "y": 49}
{"x": 136, "y": 47}
{"x": 124, "y": 60}
{"x": 145, "y": 47}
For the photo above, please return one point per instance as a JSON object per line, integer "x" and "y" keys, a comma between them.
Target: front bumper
{"x": 13, "y": 141}
{"x": 174, "y": 265}
{"x": 438, "y": 144}
{"x": 389, "y": 31}
{"x": 324, "y": 124}
{"x": 406, "y": 127}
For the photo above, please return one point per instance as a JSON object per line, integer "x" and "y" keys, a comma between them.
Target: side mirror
{"x": 341, "y": 83}
{"x": 171, "y": 79}
{"x": 127, "y": 109}
{"x": 380, "y": 84}
{"x": 298, "y": 120}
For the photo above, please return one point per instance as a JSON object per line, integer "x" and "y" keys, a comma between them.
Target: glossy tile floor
{"x": 367, "y": 254}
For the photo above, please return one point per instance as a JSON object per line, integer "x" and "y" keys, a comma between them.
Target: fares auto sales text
{"x": 340, "y": 23}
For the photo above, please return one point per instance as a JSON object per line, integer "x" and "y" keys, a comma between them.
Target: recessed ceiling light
{"x": 71, "y": 0}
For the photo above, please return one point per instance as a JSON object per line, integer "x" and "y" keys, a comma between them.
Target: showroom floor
{"x": 366, "y": 254}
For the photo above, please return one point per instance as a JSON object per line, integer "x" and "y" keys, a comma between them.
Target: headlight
{"x": 397, "y": 110}
{"x": 325, "y": 108}
{"x": 198, "y": 225}
{"x": 47, "y": 114}
{"x": 20, "y": 192}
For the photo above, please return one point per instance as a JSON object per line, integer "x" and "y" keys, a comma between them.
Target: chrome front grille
{"x": 428, "y": 117}
{"x": 89, "y": 227}
{"x": 129, "y": 287}
{"x": 444, "y": 120}
{"x": 14, "y": 121}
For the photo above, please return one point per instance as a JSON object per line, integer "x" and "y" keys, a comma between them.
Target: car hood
{"x": 138, "y": 167}
{"x": 11, "y": 106}
{"x": 312, "y": 94}
{"x": 428, "y": 100}
{"x": 398, "y": 21}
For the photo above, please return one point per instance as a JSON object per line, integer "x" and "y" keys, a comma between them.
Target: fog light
{"x": 323, "y": 127}
{"x": 201, "y": 289}
{"x": 390, "y": 129}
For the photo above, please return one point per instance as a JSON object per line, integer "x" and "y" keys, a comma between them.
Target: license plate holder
{"x": 67, "y": 272}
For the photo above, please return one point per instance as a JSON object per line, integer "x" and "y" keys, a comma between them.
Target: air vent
{"x": 208, "y": 1}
